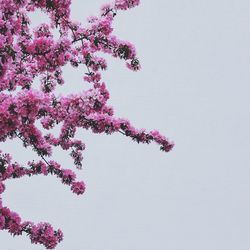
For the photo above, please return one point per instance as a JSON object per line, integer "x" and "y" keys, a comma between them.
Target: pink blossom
{"x": 28, "y": 54}
{"x": 78, "y": 187}
{"x": 68, "y": 176}
{"x": 2, "y": 187}
{"x": 125, "y": 4}
{"x": 2, "y": 222}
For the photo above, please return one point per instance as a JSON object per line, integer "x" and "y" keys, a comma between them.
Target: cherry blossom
{"x": 26, "y": 54}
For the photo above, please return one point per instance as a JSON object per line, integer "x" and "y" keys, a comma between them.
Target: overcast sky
{"x": 194, "y": 87}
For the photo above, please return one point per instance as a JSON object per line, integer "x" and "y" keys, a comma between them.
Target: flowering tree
{"x": 26, "y": 54}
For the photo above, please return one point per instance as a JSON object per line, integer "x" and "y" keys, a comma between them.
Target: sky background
{"x": 193, "y": 87}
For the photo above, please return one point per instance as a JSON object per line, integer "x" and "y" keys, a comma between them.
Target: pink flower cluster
{"x": 26, "y": 54}
{"x": 125, "y": 4}
{"x": 42, "y": 233}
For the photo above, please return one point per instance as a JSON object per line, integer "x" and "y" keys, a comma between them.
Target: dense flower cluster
{"x": 26, "y": 54}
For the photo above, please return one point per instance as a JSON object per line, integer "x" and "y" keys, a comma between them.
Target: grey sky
{"x": 193, "y": 87}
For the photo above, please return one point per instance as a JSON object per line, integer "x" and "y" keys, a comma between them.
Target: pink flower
{"x": 78, "y": 187}
{"x": 44, "y": 233}
{"x": 125, "y": 4}
{"x": 28, "y": 54}
{"x": 68, "y": 176}
{"x": 2, "y": 187}
{"x": 2, "y": 222}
